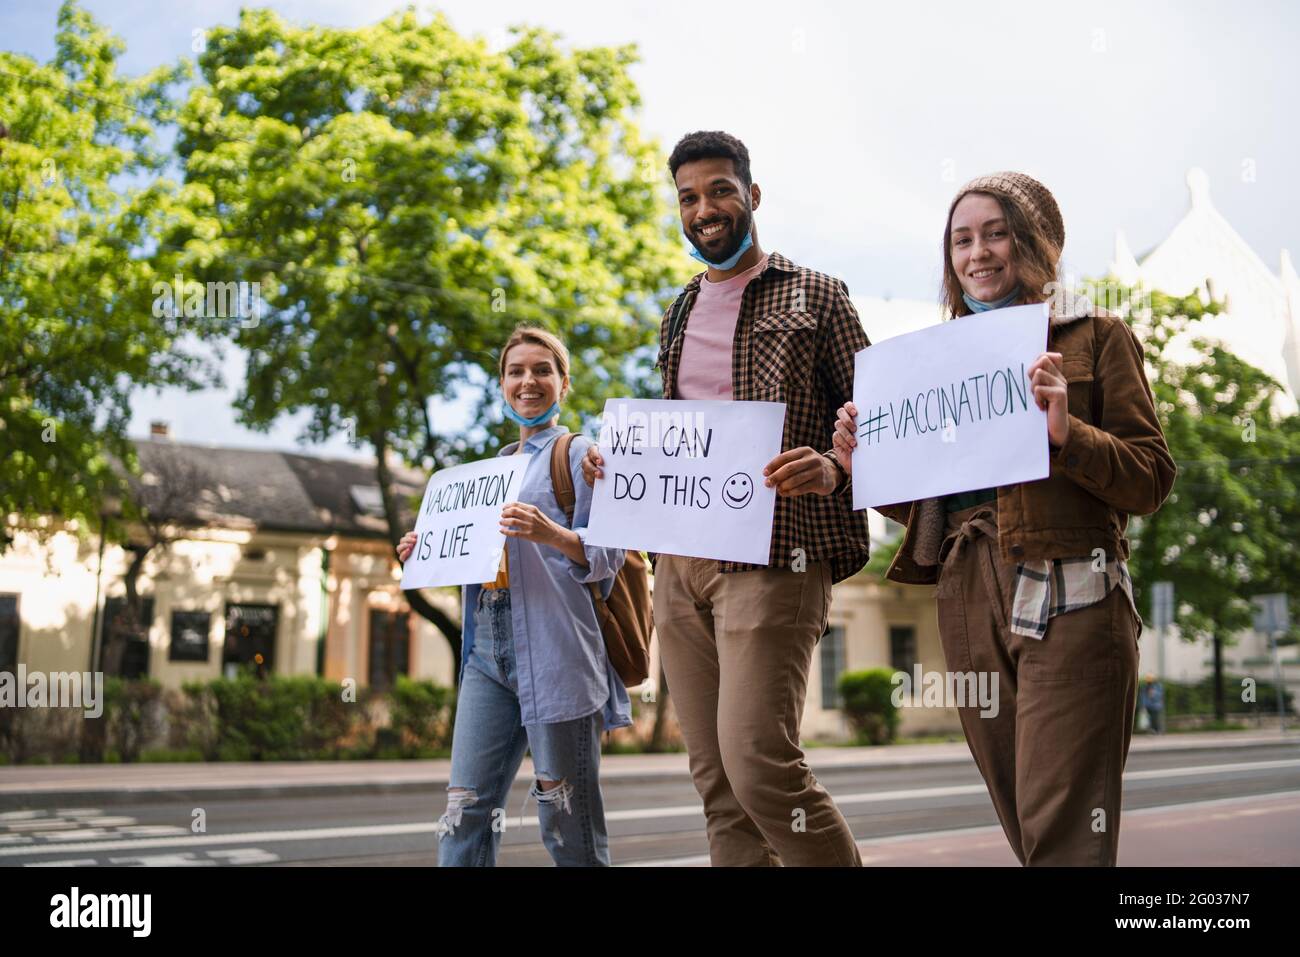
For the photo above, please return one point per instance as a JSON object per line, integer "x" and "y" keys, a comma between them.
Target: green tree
{"x": 405, "y": 197}
{"x": 76, "y": 332}
{"x": 1229, "y": 528}
{"x": 882, "y": 556}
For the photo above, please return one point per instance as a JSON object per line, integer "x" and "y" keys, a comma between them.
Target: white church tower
{"x": 1261, "y": 318}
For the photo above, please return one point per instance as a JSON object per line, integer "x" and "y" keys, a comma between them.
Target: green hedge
{"x": 420, "y": 719}
{"x": 278, "y": 718}
{"x": 1198, "y": 698}
{"x": 868, "y": 705}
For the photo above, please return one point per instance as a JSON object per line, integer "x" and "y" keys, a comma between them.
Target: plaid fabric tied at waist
{"x": 1040, "y": 590}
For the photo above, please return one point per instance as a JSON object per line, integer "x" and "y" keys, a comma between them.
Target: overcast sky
{"x": 862, "y": 119}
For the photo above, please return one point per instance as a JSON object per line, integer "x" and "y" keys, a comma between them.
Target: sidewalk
{"x": 1253, "y": 831}
{"x": 121, "y": 783}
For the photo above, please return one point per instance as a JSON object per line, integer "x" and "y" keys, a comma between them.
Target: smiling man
{"x": 737, "y": 640}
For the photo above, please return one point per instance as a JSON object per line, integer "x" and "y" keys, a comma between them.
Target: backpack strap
{"x": 561, "y": 477}
{"x": 562, "y": 483}
{"x": 678, "y": 310}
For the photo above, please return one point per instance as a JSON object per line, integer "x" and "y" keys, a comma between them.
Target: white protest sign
{"x": 949, "y": 408}
{"x": 686, "y": 478}
{"x": 458, "y": 530}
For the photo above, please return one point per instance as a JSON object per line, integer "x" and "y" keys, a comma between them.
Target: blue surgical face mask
{"x": 729, "y": 261}
{"x": 978, "y": 305}
{"x": 535, "y": 420}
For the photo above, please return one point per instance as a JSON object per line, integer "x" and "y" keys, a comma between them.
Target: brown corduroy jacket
{"x": 1114, "y": 464}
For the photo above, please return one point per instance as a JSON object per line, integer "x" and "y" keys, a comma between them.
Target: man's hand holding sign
{"x": 801, "y": 472}
{"x": 794, "y": 472}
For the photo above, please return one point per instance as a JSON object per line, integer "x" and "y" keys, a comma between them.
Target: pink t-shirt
{"x": 704, "y": 371}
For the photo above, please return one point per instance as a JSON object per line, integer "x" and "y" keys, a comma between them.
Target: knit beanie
{"x": 1027, "y": 193}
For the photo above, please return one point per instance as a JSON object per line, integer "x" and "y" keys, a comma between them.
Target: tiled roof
{"x": 249, "y": 488}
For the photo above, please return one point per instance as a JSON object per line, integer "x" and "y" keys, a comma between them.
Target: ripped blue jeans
{"x": 487, "y": 749}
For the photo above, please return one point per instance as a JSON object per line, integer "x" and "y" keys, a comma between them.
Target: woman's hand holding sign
{"x": 1048, "y": 383}
{"x": 845, "y": 439}
{"x": 521, "y": 520}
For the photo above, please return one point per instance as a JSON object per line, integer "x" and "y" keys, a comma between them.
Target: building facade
{"x": 281, "y": 565}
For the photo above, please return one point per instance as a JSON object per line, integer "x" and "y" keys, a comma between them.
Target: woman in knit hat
{"x": 1032, "y": 582}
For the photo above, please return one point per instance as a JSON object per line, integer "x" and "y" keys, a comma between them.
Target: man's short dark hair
{"x": 711, "y": 144}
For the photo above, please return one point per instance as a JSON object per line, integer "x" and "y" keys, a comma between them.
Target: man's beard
{"x": 740, "y": 229}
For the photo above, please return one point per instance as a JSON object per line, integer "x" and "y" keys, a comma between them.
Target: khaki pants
{"x": 1053, "y": 756}
{"x": 736, "y": 650}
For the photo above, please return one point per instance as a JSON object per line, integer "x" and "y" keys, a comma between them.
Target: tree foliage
{"x": 1229, "y": 528}
{"x": 77, "y": 335}
{"x": 405, "y": 197}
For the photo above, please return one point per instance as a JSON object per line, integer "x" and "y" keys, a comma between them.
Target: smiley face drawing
{"x": 738, "y": 490}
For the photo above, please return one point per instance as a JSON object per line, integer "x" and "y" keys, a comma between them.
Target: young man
{"x": 736, "y": 640}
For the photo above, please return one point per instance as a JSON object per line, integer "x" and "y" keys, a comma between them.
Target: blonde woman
{"x": 534, "y": 671}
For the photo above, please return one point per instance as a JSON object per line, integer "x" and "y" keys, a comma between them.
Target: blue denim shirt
{"x": 563, "y": 670}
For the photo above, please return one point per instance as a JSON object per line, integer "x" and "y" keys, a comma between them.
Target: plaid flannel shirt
{"x": 1045, "y": 589}
{"x": 796, "y": 335}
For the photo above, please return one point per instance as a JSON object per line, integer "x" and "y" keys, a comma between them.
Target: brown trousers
{"x": 1053, "y": 756}
{"x": 736, "y": 649}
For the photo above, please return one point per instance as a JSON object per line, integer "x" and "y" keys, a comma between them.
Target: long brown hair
{"x": 1035, "y": 256}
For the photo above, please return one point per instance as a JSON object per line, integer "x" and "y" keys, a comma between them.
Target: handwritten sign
{"x": 686, "y": 478}
{"x": 950, "y": 409}
{"x": 458, "y": 531}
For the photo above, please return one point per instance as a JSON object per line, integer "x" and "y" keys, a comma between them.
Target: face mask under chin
{"x": 732, "y": 257}
{"x": 535, "y": 420}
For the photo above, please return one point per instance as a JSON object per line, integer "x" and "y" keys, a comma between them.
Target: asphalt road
{"x": 1211, "y": 806}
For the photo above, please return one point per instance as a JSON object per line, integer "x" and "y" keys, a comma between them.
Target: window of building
{"x": 902, "y": 647}
{"x": 832, "y": 665}
{"x": 189, "y": 636}
{"x": 9, "y": 633}
{"x": 390, "y": 647}
{"x": 132, "y": 634}
{"x": 250, "y": 639}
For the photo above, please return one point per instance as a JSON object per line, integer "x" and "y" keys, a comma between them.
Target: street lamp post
{"x": 1162, "y": 616}
{"x": 1272, "y": 617}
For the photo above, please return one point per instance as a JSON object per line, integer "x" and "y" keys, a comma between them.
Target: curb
{"x": 17, "y": 794}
